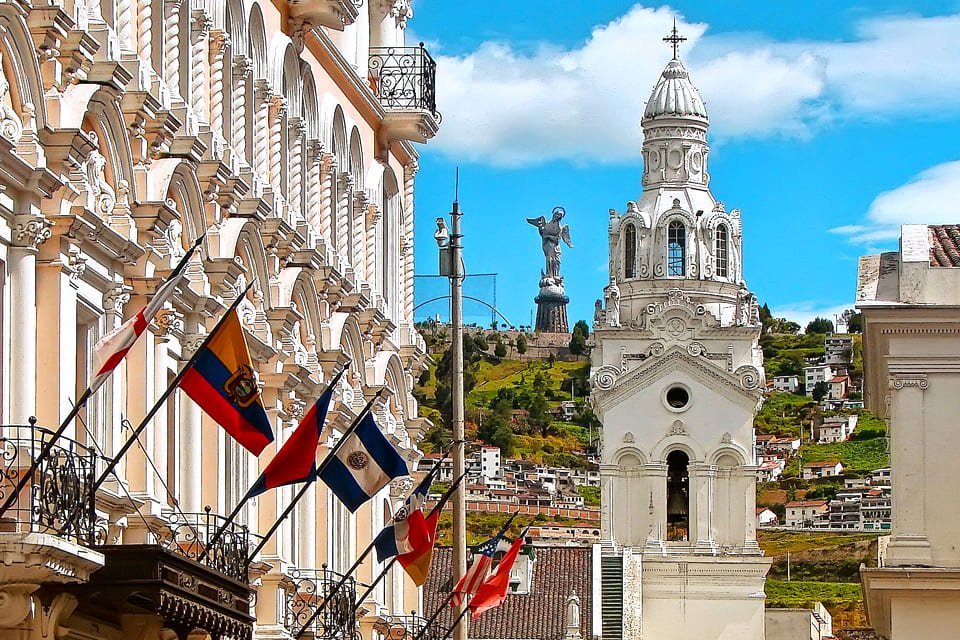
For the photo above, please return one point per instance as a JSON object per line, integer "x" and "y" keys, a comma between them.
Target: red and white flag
{"x": 113, "y": 347}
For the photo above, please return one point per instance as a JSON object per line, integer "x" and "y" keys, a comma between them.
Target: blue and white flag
{"x": 366, "y": 463}
{"x": 395, "y": 537}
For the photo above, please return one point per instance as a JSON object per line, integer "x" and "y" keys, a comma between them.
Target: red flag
{"x": 494, "y": 590}
{"x": 422, "y": 535}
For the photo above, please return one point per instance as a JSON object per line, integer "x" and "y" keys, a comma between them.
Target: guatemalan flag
{"x": 222, "y": 382}
{"x": 297, "y": 459}
{"x": 365, "y": 463}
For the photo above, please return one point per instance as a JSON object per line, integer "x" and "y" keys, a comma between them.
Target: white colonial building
{"x": 677, "y": 379}
{"x": 129, "y": 129}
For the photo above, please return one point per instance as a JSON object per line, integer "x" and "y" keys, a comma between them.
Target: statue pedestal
{"x": 552, "y": 308}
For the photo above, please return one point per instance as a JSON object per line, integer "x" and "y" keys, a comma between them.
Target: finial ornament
{"x": 674, "y": 39}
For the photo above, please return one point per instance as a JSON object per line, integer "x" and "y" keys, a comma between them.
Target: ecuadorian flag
{"x": 223, "y": 383}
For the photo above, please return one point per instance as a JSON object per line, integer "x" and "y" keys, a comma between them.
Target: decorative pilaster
{"x": 219, "y": 44}
{"x": 908, "y": 447}
{"x": 409, "y": 174}
{"x": 357, "y": 211}
{"x": 328, "y": 172}
{"x": 342, "y": 213}
{"x": 202, "y": 23}
{"x": 171, "y": 45}
{"x": 373, "y": 221}
{"x": 124, "y": 23}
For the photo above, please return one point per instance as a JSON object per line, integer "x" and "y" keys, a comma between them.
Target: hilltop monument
{"x": 552, "y": 300}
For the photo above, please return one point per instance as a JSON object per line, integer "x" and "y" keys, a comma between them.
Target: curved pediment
{"x": 611, "y": 385}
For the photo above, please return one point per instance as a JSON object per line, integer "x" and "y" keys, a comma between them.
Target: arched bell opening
{"x": 678, "y": 497}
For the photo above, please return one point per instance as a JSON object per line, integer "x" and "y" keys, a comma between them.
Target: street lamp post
{"x": 451, "y": 265}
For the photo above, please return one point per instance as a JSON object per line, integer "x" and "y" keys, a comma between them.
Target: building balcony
{"x": 404, "y": 79}
{"x": 333, "y": 14}
{"x": 408, "y": 627}
{"x": 315, "y": 588}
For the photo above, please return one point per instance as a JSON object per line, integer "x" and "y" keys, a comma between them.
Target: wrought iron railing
{"x": 57, "y": 498}
{"x": 313, "y": 588}
{"x": 404, "y": 78}
{"x": 408, "y": 628}
{"x": 192, "y": 532}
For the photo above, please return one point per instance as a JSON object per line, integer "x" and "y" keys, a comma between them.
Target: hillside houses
{"x": 835, "y": 429}
{"x": 823, "y": 469}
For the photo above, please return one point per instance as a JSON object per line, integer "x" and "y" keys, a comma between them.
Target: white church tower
{"x": 677, "y": 379}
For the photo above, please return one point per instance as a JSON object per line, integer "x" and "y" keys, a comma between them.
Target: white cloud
{"x": 508, "y": 107}
{"x": 930, "y": 197}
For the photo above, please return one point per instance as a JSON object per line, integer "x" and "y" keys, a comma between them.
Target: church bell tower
{"x": 676, "y": 381}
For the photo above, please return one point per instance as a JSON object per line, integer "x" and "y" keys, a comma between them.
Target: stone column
{"x": 748, "y": 481}
{"x": 409, "y": 173}
{"x": 657, "y": 504}
{"x": 358, "y": 249}
{"x": 198, "y": 72}
{"x": 277, "y": 109}
{"x": 124, "y": 22}
{"x": 702, "y": 478}
{"x": 344, "y": 190}
{"x": 171, "y": 46}
{"x": 219, "y": 44}
{"x": 145, "y": 38}
{"x": 373, "y": 221}
{"x": 328, "y": 172}
{"x": 295, "y": 142}
{"x": 29, "y": 232}
{"x": 313, "y": 212}
{"x": 261, "y": 105}
{"x": 242, "y": 68}
{"x": 909, "y": 544}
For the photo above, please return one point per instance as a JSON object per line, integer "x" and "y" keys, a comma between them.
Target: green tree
{"x": 521, "y": 344}
{"x": 501, "y": 349}
{"x": 820, "y": 325}
{"x": 820, "y": 391}
{"x": 578, "y": 340}
{"x": 480, "y": 341}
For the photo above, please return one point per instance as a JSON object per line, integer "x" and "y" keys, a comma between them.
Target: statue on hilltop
{"x": 551, "y": 233}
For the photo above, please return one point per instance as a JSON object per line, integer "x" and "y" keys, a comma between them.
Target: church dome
{"x": 674, "y": 95}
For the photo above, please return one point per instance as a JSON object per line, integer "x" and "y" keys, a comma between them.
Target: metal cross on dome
{"x": 674, "y": 39}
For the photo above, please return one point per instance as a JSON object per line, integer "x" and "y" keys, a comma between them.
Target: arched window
{"x": 678, "y": 497}
{"x": 630, "y": 252}
{"x": 723, "y": 251}
{"x": 676, "y": 249}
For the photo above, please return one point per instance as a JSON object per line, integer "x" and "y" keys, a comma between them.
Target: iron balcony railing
{"x": 408, "y": 628}
{"x": 313, "y": 588}
{"x": 57, "y": 498}
{"x": 191, "y": 533}
{"x": 404, "y": 78}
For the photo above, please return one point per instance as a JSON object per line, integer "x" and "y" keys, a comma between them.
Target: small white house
{"x": 835, "y": 429}
{"x": 826, "y": 469}
{"x": 815, "y": 374}
{"x": 766, "y": 518}
{"x": 804, "y": 513}
{"x": 786, "y": 384}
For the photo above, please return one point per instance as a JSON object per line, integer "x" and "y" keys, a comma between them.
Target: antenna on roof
{"x": 456, "y": 185}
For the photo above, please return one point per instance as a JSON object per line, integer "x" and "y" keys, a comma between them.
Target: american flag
{"x": 482, "y": 561}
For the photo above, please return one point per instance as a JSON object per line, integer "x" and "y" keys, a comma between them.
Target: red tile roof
{"x": 944, "y": 245}
{"x": 539, "y": 615}
{"x": 807, "y": 503}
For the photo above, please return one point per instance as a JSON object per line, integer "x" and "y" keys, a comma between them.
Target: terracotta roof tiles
{"x": 539, "y": 615}
{"x": 944, "y": 245}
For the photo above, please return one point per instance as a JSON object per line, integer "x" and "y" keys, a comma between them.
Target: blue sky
{"x": 832, "y": 123}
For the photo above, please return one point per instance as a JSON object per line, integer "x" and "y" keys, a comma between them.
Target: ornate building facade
{"x": 128, "y": 129}
{"x": 677, "y": 377}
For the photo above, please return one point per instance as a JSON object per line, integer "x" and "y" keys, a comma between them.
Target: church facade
{"x": 677, "y": 375}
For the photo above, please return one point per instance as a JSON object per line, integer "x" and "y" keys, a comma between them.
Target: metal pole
{"x": 456, "y": 320}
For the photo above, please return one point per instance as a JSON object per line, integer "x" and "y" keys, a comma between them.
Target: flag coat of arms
{"x": 223, "y": 383}
{"x": 297, "y": 459}
{"x": 364, "y": 464}
{"x": 394, "y": 539}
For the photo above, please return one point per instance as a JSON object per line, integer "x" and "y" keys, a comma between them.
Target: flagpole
{"x": 163, "y": 398}
{"x": 323, "y": 465}
{"x": 393, "y": 559}
{"x": 81, "y": 401}
{"x": 446, "y": 634}
{"x": 436, "y": 614}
